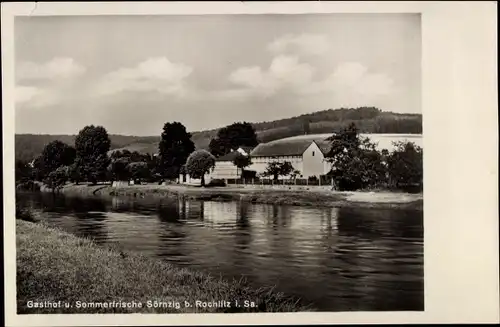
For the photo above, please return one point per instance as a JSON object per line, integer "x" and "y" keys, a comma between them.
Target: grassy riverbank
{"x": 53, "y": 265}
{"x": 304, "y": 196}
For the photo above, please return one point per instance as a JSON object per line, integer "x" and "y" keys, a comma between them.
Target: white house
{"x": 306, "y": 153}
{"x": 224, "y": 166}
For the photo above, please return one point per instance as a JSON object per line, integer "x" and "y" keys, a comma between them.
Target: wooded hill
{"x": 367, "y": 119}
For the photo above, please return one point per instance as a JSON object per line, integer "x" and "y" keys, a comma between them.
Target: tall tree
{"x": 233, "y": 136}
{"x": 356, "y": 164}
{"x": 174, "y": 149}
{"x": 199, "y": 163}
{"x": 92, "y": 145}
{"x": 23, "y": 171}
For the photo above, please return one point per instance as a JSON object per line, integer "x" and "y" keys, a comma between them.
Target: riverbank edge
{"x": 273, "y": 196}
{"x": 53, "y": 266}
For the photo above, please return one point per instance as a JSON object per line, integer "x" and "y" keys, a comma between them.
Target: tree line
{"x": 356, "y": 162}
{"x": 367, "y": 119}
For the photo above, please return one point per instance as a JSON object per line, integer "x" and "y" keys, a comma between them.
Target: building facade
{"x": 305, "y": 153}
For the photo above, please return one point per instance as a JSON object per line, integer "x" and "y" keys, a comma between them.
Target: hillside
{"x": 368, "y": 120}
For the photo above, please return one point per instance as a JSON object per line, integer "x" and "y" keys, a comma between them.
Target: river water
{"x": 336, "y": 259}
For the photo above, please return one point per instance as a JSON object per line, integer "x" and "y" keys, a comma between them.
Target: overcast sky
{"x": 132, "y": 74}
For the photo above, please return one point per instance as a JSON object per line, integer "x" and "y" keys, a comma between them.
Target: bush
{"x": 312, "y": 178}
{"x": 24, "y": 213}
{"x": 249, "y": 174}
{"x": 405, "y": 166}
{"x": 28, "y": 185}
{"x": 216, "y": 183}
{"x": 57, "y": 178}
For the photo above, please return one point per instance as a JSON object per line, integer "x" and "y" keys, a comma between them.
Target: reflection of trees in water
{"x": 91, "y": 224}
{"x": 239, "y": 255}
{"x": 374, "y": 261}
{"x": 375, "y": 223}
{"x": 168, "y": 213}
{"x": 242, "y": 222}
{"x": 171, "y": 235}
{"x": 329, "y": 229}
{"x": 280, "y": 216}
{"x": 243, "y": 234}
{"x": 192, "y": 209}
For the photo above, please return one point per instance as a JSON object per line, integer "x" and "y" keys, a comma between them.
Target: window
{"x": 313, "y": 154}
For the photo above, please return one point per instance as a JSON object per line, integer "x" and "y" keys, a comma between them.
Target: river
{"x": 337, "y": 259}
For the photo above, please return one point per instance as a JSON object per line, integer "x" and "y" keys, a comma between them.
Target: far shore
{"x": 280, "y": 195}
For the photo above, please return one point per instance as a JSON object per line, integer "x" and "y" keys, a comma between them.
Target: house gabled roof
{"x": 228, "y": 157}
{"x": 290, "y": 146}
{"x": 233, "y": 154}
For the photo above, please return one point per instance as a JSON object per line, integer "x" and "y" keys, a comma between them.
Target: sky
{"x": 132, "y": 74}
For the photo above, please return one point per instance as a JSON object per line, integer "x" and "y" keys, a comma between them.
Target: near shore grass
{"x": 311, "y": 196}
{"x": 53, "y": 265}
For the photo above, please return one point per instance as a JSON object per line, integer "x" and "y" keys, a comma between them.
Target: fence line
{"x": 297, "y": 181}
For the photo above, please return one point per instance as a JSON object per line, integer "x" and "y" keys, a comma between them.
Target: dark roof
{"x": 231, "y": 155}
{"x": 228, "y": 157}
{"x": 290, "y": 146}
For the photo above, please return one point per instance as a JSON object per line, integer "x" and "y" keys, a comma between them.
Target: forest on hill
{"x": 367, "y": 120}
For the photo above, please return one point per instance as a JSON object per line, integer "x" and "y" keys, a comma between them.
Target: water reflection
{"x": 338, "y": 259}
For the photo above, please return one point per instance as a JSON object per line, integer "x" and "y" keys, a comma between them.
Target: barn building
{"x": 306, "y": 153}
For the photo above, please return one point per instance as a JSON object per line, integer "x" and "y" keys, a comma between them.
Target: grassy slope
{"x": 29, "y": 145}
{"x": 53, "y": 265}
{"x": 314, "y": 196}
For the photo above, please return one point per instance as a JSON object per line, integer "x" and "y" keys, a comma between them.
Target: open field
{"x": 54, "y": 266}
{"x": 281, "y": 195}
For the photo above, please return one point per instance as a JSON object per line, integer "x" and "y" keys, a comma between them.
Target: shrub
{"x": 405, "y": 165}
{"x": 249, "y": 174}
{"x": 216, "y": 183}
{"x": 28, "y": 185}
{"x": 57, "y": 178}
{"x": 24, "y": 213}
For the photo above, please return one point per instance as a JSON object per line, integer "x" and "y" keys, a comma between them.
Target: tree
{"x": 241, "y": 161}
{"x": 295, "y": 173}
{"x": 138, "y": 171}
{"x": 233, "y": 136}
{"x": 23, "y": 171}
{"x": 92, "y": 145}
{"x": 75, "y": 174}
{"x": 276, "y": 169}
{"x": 54, "y": 155}
{"x": 174, "y": 149}
{"x": 405, "y": 165}
{"x": 345, "y": 141}
{"x": 38, "y": 170}
{"x": 356, "y": 163}
{"x": 57, "y": 178}
{"x": 118, "y": 169}
{"x": 199, "y": 163}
